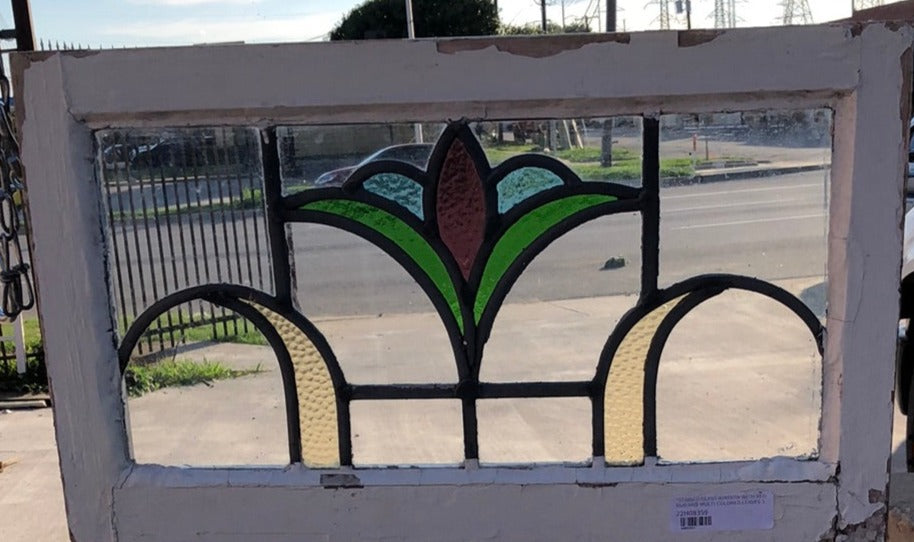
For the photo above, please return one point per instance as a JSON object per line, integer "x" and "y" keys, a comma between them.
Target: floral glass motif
{"x": 465, "y": 231}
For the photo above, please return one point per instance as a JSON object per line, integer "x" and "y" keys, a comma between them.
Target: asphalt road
{"x": 771, "y": 228}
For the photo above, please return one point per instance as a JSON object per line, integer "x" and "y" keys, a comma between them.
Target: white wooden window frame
{"x": 861, "y": 72}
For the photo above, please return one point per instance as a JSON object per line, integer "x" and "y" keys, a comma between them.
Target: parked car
{"x": 176, "y": 151}
{"x": 118, "y": 153}
{"x": 909, "y": 186}
{"x": 413, "y": 153}
{"x": 155, "y": 154}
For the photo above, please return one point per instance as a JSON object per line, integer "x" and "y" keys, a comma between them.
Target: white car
{"x": 416, "y": 154}
{"x": 904, "y": 363}
{"x": 910, "y": 184}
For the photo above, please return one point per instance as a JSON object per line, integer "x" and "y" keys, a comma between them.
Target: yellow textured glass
{"x": 623, "y": 398}
{"x": 317, "y": 417}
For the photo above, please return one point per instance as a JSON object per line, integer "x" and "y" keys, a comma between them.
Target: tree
{"x": 552, "y": 27}
{"x": 380, "y": 19}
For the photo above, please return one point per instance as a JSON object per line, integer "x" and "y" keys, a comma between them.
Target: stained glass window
{"x": 464, "y": 221}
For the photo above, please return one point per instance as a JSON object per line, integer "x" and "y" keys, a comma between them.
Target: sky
{"x": 128, "y": 23}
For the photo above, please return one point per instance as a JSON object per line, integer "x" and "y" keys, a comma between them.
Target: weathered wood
{"x": 431, "y": 80}
{"x": 9, "y": 462}
{"x": 70, "y": 263}
{"x": 863, "y": 72}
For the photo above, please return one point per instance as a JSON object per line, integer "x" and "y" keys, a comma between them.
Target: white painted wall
{"x": 861, "y": 72}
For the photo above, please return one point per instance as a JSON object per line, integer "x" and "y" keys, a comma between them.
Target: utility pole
{"x": 543, "y": 11}
{"x": 411, "y": 33}
{"x": 550, "y": 125}
{"x": 410, "y": 26}
{"x": 606, "y": 140}
{"x": 685, "y": 6}
{"x": 610, "y": 15}
{"x": 22, "y": 19}
{"x": 550, "y": 130}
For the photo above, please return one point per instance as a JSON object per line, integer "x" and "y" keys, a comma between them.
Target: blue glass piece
{"x": 522, "y": 183}
{"x": 397, "y": 188}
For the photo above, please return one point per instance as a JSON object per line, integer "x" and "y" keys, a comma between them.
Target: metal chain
{"x": 15, "y": 279}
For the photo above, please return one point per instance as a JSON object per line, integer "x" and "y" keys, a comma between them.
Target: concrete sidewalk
{"x": 530, "y": 342}
{"x": 774, "y": 378}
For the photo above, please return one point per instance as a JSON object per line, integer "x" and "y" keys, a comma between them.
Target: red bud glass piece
{"x": 461, "y": 206}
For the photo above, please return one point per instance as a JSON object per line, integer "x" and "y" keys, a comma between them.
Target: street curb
{"x": 737, "y": 175}
{"x": 18, "y": 404}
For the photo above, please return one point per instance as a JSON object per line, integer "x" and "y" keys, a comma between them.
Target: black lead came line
{"x": 276, "y": 227}
{"x": 650, "y": 214}
{"x": 649, "y": 206}
{"x": 652, "y": 363}
{"x": 483, "y": 390}
{"x": 286, "y": 368}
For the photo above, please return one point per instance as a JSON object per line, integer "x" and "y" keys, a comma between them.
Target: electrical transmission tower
{"x": 724, "y": 13}
{"x": 664, "y": 13}
{"x": 864, "y": 4}
{"x": 796, "y": 12}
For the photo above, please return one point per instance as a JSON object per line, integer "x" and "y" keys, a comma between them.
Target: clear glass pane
{"x": 740, "y": 378}
{"x": 554, "y": 322}
{"x": 756, "y": 206}
{"x": 757, "y": 203}
{"x": 323, "y": 156}
{"x": 184, "y": 207}
{"x": 427, "y": 432}
{"x": 206, "y": 401}
{"x": 379, "y": 322}
{"x": 596, "y": 149}
{"x": 549, "y": 430}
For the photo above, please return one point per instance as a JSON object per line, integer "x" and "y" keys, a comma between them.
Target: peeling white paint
{"x": 498, "y": 512}
{"x": 76, "y": 319}
{"x": 864, "y": 270}
{"x": 766, "y": 471}
{"x": 411, "y": 80}
{"x": 859, "y": 74}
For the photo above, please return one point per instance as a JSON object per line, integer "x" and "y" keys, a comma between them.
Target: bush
{"x": 35, "y": 379}
{"x": 140, "y": 379}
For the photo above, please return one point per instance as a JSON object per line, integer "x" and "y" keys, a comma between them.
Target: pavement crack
{"x": 569, "y": 309}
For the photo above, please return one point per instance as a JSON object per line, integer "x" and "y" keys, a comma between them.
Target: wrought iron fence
{"x": 184, "y": 207}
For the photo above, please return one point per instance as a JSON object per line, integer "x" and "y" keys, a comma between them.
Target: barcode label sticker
{"x": 748, "y": 511}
